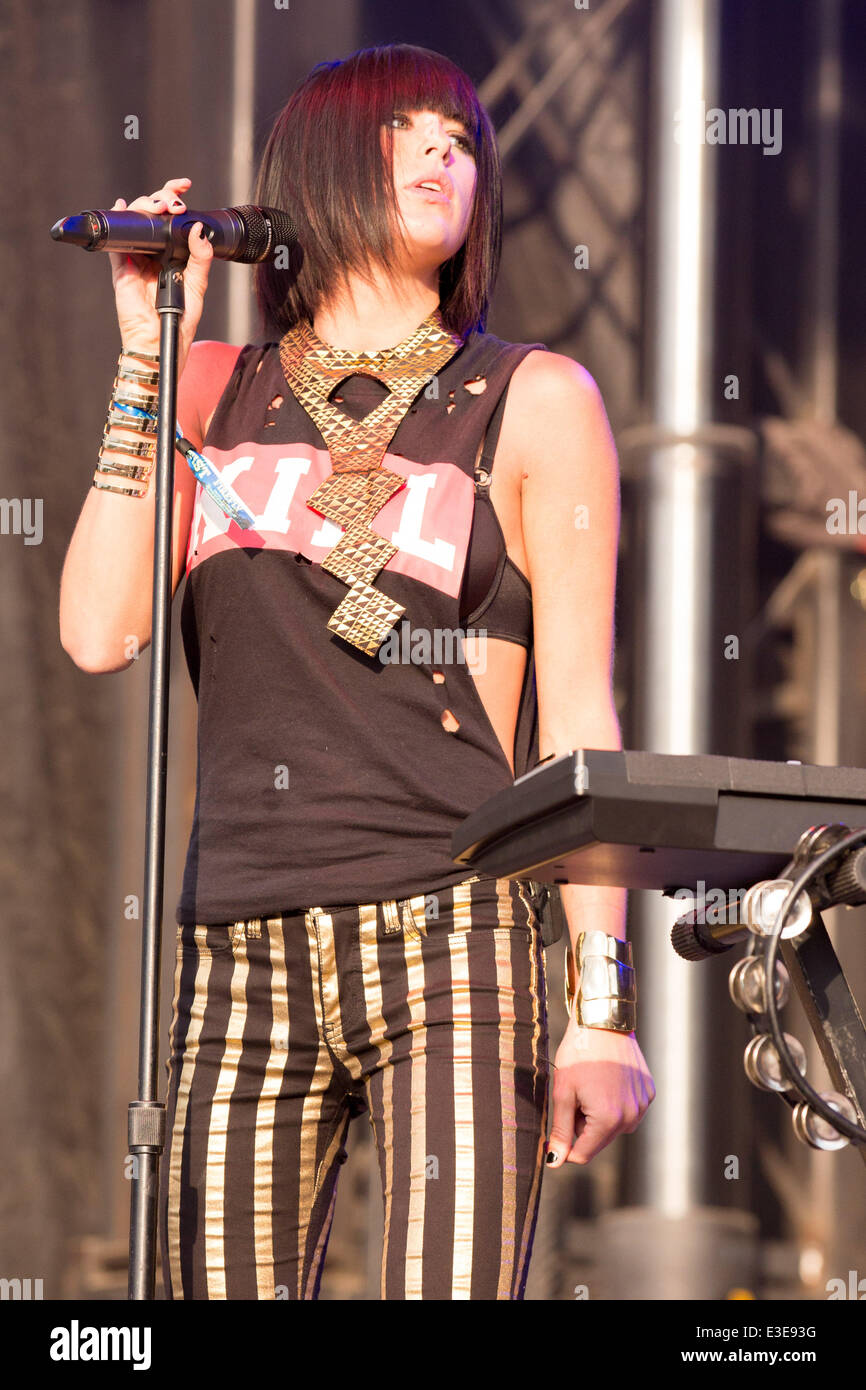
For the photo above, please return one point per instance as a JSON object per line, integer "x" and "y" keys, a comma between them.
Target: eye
{"x": 464, "y": 141}
{"x": 399, "y": 116}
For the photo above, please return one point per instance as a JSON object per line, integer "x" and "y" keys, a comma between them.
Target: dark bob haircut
{"x": 324, "y": 164}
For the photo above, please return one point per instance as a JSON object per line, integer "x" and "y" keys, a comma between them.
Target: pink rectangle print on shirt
{"x": 429, "y": 519}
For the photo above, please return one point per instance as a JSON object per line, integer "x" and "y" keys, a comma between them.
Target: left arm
{"x": 570, "y": 509}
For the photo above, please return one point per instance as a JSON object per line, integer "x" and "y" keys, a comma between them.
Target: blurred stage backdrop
{"x": 718, "y": 297}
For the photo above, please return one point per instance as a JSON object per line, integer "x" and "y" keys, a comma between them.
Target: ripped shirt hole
{"x": 273, "y": 405}
{"x": 475, "y": 385}
{"x": 439, "y": 677}
{"x": 449, "y": 722}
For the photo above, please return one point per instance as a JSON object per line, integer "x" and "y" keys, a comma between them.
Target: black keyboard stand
{"x": 671, "y": 822}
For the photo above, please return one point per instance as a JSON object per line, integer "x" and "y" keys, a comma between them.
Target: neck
{"x": 372, "y": 315}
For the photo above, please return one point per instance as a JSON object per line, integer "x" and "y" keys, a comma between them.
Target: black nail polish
{"x": 551, "y": 1157}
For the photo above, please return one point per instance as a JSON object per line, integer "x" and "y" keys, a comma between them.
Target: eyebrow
{"x": 446, "y": 116}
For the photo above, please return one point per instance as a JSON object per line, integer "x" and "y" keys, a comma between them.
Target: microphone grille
{"x": 690, "y": 943}
{"x": 266, "y": 228}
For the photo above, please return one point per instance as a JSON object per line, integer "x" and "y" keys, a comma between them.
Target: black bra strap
{"x": 491, "y": 439}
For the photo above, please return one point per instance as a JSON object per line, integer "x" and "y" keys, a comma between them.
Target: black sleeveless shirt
{"x": 327, "y": 777}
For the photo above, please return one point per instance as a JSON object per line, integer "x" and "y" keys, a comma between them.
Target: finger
{"x": 598, "y": 1132}
{"x": 199, "y": 263}
{"x": 200, "y": 247}
{"x": 167, "y": 200}
{"x": 642, "y": 1097}
{"x": 153, "y": 202}
{"x": 172, "y": 191}
{"x": 561, "y": 1129}
{"x": 117, "y": 259}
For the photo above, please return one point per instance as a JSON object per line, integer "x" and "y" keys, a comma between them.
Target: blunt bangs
{"x": 324, "y": 164}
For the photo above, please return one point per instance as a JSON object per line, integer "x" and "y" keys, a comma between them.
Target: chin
{"x": 432, "y": 240}
{"x": 429, "y": 252}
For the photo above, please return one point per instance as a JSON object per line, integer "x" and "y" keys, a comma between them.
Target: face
{"x": 430, "y": 149}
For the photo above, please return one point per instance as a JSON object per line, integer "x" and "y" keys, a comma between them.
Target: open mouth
{"x": 430, "y": 190}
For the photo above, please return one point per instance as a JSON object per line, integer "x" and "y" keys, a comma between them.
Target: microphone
{"x": 704, "y": 932}
{"x": 711, "y": 928}
{"x": 248, "y": 234}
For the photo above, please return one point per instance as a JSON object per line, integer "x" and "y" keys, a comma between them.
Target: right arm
{"x": 107, "y": 579}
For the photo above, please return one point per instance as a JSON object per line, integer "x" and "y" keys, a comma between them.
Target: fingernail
{"x": 551, "y": 1156}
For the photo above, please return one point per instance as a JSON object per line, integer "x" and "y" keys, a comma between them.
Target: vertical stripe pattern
{"x": 266, "y": 1109}
{"x": 427, "y": 1014}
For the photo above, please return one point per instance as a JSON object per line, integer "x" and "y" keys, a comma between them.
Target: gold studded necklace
{"x": 358, "y": 487}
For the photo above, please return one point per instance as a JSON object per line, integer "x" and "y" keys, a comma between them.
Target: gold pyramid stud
{"x": 359, "y": 554}
{"x": 348, "y": 497}
{"x": 365, "y": 617}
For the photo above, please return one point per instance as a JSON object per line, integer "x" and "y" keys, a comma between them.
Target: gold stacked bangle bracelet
{"x": 130, "y": 409}
{"x": 599, "y": 982}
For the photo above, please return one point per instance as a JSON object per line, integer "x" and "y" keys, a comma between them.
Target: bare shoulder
{"x": 205, "y": 376}
{"x": 553, "y": 371}
{"x": 553, "y": 402}
{"x": 209, "y": 359}
{"x": 550, "y": 379}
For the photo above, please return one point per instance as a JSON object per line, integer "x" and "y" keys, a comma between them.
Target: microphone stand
{"x": 146, "y": 1116}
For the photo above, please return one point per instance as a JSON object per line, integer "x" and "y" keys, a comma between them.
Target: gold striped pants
{"x": 429, "y": 1014}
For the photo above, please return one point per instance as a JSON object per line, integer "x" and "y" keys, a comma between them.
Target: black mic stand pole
{"x": 147, "y": 1114}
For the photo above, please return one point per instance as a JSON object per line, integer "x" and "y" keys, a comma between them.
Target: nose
{"x": 435, "y": 137}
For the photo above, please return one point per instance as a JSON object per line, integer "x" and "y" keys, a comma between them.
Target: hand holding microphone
{"x": 135, "y": 277}
{"x": 160, "y": 227}
{"x": 139, "y": 239}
